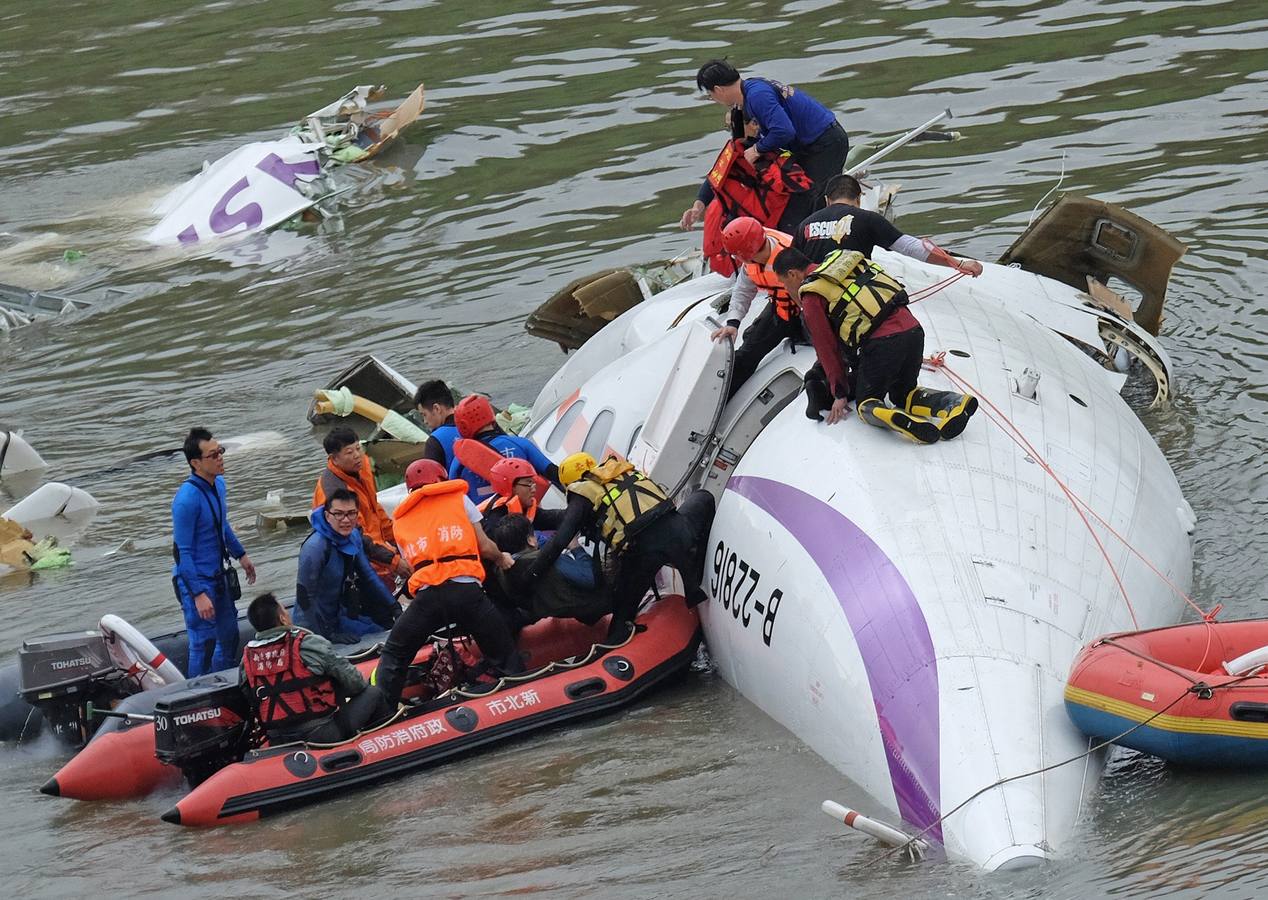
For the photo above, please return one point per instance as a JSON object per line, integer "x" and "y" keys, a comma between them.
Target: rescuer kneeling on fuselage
{"x": 853, "y": 309}
{"x": 630, "y": 514}
{"x": 438, "y": 530}
{"x": 303, "y": 690}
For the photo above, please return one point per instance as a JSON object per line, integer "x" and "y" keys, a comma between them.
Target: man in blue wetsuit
{"x": 434, "y": 402}
{"x": 787, "y": 118}
{"x": 337, "y": 592}
{"x": 475, "y": 420}
{"x": 202, "y": 543}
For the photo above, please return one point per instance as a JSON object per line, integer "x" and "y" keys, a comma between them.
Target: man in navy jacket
{"x": 787, "y": 118}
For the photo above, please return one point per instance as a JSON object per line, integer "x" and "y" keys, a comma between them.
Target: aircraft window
{"x": 634, "y": 438}
{"x": 597, "y": 436}
{"x": 563, "y": 425}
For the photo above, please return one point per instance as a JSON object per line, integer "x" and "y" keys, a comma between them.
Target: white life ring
{"x": 1247, "y": 663}
{"x": 136, "y": 655}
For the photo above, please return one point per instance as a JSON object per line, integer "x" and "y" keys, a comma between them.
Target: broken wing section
{"x": 1078, "y": 238}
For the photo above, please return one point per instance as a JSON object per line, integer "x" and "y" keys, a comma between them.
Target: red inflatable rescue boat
{"x": 273, "y": 779}
{"x": 1195, "y": 694}
{"x": 119, "y": 762}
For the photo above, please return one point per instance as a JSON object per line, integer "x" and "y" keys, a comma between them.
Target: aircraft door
{"x": 680, "y": 428}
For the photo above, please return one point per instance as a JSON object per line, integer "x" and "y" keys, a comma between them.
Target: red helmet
{"x": 424, "y": 471}
{"x": 743, "y": 237}
{"x": 507, "y": 471}
{"x": 472, "y": 415}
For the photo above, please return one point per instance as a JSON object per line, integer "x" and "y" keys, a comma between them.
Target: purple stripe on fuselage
{"x": 889, "y": 628}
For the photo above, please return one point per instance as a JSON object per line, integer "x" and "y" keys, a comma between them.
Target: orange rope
{"x": 927, "y": 292}
{"x": 938, "y": 361}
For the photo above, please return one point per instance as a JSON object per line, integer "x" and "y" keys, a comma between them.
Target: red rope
{"x": 938, "y": 361}
{"x": 927, "y": 292}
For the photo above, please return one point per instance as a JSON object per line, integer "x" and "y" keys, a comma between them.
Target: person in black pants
{"x": 462, "y": 603}
{"x": 439, "y": 534}
{"x": 676, "y": 540}
{"x": 630, "y": 515}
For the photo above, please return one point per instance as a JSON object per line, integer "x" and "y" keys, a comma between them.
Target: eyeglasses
{"x": 214, "y": 454}
{"x": 524, "y": 482}
{"x": 338, "y": 514}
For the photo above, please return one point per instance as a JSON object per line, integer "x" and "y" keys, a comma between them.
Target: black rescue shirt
{"x": 843, "y": 227}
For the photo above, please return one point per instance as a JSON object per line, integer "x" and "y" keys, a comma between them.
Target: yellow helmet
{"x": 574, "y": 466}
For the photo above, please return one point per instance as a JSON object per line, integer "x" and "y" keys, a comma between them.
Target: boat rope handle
{"x": 596, "y": 650}
{"x": 403, "y": 711}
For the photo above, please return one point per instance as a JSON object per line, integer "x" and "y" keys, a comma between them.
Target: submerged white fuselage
{"x": 910, "y": 612}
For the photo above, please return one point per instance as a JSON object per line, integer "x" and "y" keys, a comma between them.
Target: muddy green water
{"x": 560, "y": 138}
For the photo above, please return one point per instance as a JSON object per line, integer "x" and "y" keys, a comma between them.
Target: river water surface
{"x": 560, "y": 138}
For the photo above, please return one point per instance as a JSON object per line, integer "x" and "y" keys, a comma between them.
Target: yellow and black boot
{"x": 950, "y": 410}
{"x": 914, "y": 428}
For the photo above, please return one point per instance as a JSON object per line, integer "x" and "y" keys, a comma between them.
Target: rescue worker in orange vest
{"x": 756, "y": 247}
{"x": 439, "y": 531}
{"x": 302, "y": 690}
{"x": 515, "y": 492}
{"x": 347, "y": 466}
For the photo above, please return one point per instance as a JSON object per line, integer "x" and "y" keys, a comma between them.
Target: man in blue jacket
{"x": 476, "y": 421}
{"x": 338, "y": 595}
{"x": 787, "y": 118}
{"x": 202, "y": 544}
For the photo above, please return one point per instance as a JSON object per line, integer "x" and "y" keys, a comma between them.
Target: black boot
{"x": 818, "y": 399}
{"x": 912, "y": 427}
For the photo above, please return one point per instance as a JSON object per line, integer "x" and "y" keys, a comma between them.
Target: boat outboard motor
{"x": 62, "y": 674}
{"x": 203, "y": 729}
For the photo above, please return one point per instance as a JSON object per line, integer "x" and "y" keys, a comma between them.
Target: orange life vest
{"x": 286, "y": 691}
{"x": 742, "y": 189}
{"x": 436, "y": 537}
{"x": 766, "y": 280}
{"x": 512, "y": 504}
